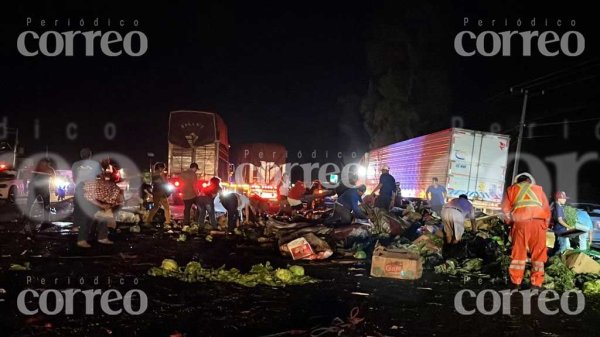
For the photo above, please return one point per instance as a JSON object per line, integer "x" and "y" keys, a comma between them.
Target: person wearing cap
{"x": 561, "y": 226}
{"x": 453, "y": 214}
{"x": 526, "y": 208}
{"x": 386, "y": 188}
{"x": 436, "y": 194}
{"x": 189, "y": 191}
{"x": 347, "y": 205}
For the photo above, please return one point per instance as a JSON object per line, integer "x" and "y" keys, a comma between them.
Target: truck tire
{"x": 12, "y": 195}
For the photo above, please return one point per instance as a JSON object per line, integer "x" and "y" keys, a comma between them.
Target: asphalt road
{"x": 389, "y": 307}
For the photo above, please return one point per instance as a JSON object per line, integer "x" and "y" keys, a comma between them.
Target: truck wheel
{"x": 12, "y": 195}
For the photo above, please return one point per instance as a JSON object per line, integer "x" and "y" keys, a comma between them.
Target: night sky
{"x": 275, "y": 71}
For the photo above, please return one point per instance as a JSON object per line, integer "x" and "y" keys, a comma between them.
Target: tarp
{"x": 196, "y": 128}
{"x": 254, "y": 153}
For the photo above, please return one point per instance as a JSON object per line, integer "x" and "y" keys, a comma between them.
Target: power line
{"x": 569, "y": 122}
{"x": 556, "y": 75}
{"x": 551, "y": 76}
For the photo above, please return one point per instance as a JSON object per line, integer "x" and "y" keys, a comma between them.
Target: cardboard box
{"x": 582, "y": 264}
{"x": 300, "y": 248}
{"x": 396, "y": 263}
{"x": 550, "y": 239}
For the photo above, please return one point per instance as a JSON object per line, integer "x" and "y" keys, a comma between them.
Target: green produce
{"x": 169, "y": 265}
{"x": 18, "y": 267}
{"x": 561, "y": 278}
{"x": 591, "y": 288}
{"x": 155, "y": 271}
{"x": 297, "y": 270}
{"x": 284, "y": 274}
{"x": 192, "y": 268}
{"x": 472, "y": 264}
{"x": 182, "y": 238}
{"x": 360, "y": 254}
{"x": 259, "y": 274}
{"x": 570, "y": 216}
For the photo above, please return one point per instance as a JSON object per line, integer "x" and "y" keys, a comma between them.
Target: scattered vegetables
{"x": 284, "y": 274}
{"x": 591, "y": 288}
{"x": 360, "y": 255}
{"x": 259, "y": 274}
{"x": 18, "y": 267}
{"x": 169, "y": 265}
{"x": 297, "y": 270}
{"x": 191, "y": 229}
{"x": 558, "y": 276}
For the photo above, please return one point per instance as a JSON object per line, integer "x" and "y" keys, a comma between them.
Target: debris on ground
{"x": 263, "y": 274}
{"x": 20, "y": 267}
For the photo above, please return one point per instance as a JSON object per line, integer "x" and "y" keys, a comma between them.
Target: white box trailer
{"x": 464, "y": 161}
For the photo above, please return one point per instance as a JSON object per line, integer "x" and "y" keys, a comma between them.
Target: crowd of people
{"x": 525, "y": 207}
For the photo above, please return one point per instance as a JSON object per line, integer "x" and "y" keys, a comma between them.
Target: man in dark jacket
{"x": 347, "y": 205}
{"x": 386, "y": 188}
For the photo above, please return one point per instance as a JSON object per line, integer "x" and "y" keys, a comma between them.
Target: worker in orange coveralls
{"x": 526, "y": 207}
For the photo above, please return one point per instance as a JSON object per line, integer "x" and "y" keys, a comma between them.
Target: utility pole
{"x": 14, "y": 164}
{"x": 520, "y": 138}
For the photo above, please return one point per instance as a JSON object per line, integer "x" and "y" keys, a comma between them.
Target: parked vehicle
{"x": 464, "y": 161}
{"x": 260, "y": 167}
{"x": 200, "y": 137}
{"x": 594, "y": 211}
{"x": 11, "y": 185}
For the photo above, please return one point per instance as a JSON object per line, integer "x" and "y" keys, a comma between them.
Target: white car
{"x": 11, "y": 187}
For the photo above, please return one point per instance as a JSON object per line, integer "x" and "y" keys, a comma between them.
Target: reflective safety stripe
{"x": 537, "y": 266}
{"x": 526, "y": 197}
{"x": 517, "y": 264}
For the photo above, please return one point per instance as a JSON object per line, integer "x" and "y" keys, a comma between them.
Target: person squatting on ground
{"x": 347, "y": 206}
{"x": 234, "y": 204}
{"x": 189, "y": 191}
{"x": 454, "y": 214}
{"x": 526, "y": 208}
{"x": 160, "y": 194}
{"x": 386, "y": 188}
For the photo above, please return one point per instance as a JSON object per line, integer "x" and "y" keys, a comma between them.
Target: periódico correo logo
{"x": 529, "y": 41}
{"x": 71, "y": 42}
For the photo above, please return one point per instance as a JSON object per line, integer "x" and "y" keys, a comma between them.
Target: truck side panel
{"x": 413, "y": 162}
